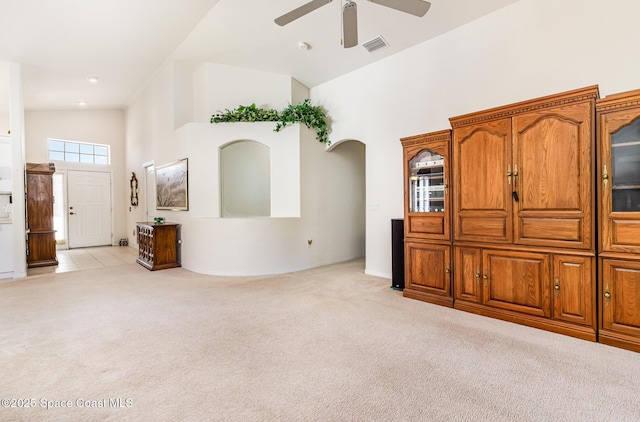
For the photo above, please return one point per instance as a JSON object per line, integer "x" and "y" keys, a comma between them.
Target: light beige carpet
{"x": 328, "y": 344}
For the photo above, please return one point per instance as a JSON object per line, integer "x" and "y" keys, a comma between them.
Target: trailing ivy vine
{"x": 313, "y": 117}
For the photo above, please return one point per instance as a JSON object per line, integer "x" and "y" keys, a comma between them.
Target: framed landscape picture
{"x": 172, "y": 187}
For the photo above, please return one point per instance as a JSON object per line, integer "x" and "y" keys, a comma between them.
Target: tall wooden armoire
{"x": 41, "y": 237}
{"x": 523, "y": 212}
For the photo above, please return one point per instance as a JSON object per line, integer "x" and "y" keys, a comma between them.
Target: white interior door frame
{"x": 149, "y": 190}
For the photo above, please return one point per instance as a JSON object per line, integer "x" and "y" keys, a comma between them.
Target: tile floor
{"x": 88, "y": 258}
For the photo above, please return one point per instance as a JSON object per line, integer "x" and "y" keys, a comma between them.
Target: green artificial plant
{"x": 304, "y": 113}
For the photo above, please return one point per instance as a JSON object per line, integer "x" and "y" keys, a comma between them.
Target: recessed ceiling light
{"x": 304, "y": 46}
{"x": 92, "y": 79}
{"x": 82, "y": 103}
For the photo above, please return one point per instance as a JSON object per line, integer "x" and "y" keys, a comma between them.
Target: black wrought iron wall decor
{"x": 134, "y": 189}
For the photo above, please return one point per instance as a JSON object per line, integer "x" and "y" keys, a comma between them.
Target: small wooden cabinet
{"x": 158, "y": 245}
{"x": 41, "y": 237}
{"x": 427, "y": 218}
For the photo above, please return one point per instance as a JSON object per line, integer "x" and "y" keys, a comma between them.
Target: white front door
{"x": 89, "y": 208}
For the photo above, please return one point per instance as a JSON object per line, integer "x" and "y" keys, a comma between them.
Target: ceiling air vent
{"x": 375, "y": 44}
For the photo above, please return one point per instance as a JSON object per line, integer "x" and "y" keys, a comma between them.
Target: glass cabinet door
{"x": 625, "y": 171}
{"x": 427, "y": 182}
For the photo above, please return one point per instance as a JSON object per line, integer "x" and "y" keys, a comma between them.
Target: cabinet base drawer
{"x": 578, "y": 331}
{"x": 426, "y": 297}
{"x": 619, "y": 340}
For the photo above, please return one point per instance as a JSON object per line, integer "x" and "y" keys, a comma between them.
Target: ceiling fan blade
{"x": 413, "y": 7}
{"x": 350, "y": 25}
{"x": 301, "y": 11}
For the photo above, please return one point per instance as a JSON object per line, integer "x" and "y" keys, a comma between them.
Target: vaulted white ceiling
{"x": 123, "y": 42}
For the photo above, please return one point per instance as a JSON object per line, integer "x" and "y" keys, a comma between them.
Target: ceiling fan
{"x": 349, "y": 14}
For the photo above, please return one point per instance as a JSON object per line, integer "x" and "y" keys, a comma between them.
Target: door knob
{"x": 72, "y": 213}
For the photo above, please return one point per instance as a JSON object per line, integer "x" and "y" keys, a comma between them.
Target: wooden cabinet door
{"x": 467, "y": 278}
{"x": 517, "y": 281}
{"x": 553, "y": 159}
{"x": 574, "y": 289}
{"x": 40, "y": 202}
{"x": 482, "y": 198}
{"x": 428, "y": 270}
{"x": 620, "y": 298}
{"x": 620, "y": 199}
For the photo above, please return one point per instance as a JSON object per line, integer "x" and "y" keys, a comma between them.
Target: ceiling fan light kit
{"x": 417, "y": 8}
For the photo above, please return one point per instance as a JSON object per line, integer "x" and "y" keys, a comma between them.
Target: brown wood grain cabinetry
{"x": 428, "y": 272}
{"x": 41, "y": 237}
{"x": 427, "y": 236}
{"x": 620, "y": 303}
{"x": 527, "y": 178}
{"x": 158, "y": 245}
{"x": 554, "y": 154}
{"x": 517, "y": 281}
{"x": 619, "y": 216}
{"x": 524, "y": 212}
{"x": 545, "y": 216}
{"x": 574, "y": 289}
{"x": 482, "y": 190}
{"x": 468, "y": 279}
{"x": 541, "y": 289}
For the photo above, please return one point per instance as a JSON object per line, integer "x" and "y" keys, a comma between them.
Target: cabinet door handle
{"x": 605, "y": 177}
{"x": 557, "y": 286}
{"x": 509, "y": 173}
{"x": 485, "y": 277}
{"x": 607, "y": 295}
{"x": 515, "y": 175}
{"x": 477, "y": 275}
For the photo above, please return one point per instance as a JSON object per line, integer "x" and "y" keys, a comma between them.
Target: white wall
{"x": 218, "y": 87}
{"x": 16, "y": 125}
{"x": 309, "y": 199}
{"x": 94, "y": 126}
{"x": 6, "y": 172}
{"x": 203, "y": 142}
{"x": 529, "y": 49}
{"x": 4, "y": 123}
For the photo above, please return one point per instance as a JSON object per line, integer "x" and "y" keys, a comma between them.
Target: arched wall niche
{"x": 245, "y": 179}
